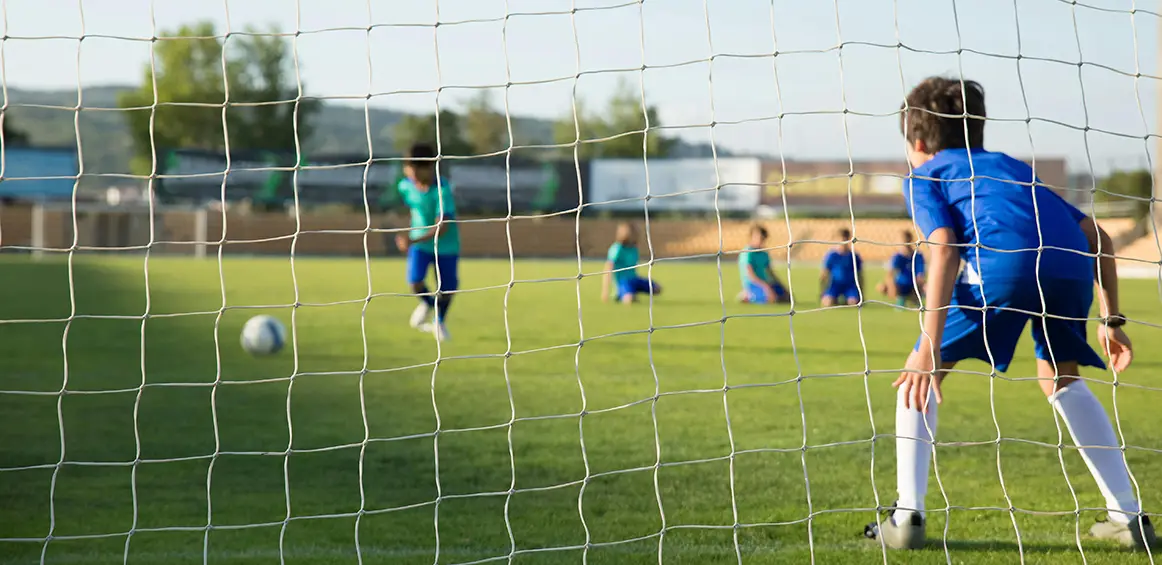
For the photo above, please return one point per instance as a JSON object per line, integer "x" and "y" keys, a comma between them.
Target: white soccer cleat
{"x": 1138, "y": 534}
{"x": 420, "y": 315}
{"x": 438, "y": 330}
{"x": 898, "y": 536}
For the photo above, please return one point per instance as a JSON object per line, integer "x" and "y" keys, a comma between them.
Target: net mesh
{"x": 683, "y": 428}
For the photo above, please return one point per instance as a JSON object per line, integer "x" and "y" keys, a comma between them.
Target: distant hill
{"x": 50, "y": 120}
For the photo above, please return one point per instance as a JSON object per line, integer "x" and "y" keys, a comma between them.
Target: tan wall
{"x": 345, "y": 234}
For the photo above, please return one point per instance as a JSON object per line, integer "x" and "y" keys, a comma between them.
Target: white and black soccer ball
{"x": 263, "y": 335}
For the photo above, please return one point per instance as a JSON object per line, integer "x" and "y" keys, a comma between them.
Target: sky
{"x": 805, "y": 79}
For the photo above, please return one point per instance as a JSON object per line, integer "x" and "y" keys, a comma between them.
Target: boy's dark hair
{"x": 844, "y": 234}
{"x": 908, "y": 236}
{"x": 420, "y": 154}
{"x": 934, "y": 111}
{"x": 760, "y": 229}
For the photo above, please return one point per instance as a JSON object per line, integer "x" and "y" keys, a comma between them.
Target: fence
{"x": 200, "y": 232}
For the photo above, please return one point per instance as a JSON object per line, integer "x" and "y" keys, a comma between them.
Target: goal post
{"x": 60, "y": 227}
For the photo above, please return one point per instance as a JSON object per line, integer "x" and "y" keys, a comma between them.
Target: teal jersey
{"x": 758, "y": 260}
{"x": 624, "y": 261}
{"x": 428, "y": 208}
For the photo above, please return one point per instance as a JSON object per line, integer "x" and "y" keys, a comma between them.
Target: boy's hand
{"x": 918, "y": 378}
{"x": 1117, "y": 346}
{"x": 402, "y": 242}
{"x": 769, "y": 292}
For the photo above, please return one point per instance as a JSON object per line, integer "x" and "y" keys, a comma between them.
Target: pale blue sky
{"x": 674, "y": 39}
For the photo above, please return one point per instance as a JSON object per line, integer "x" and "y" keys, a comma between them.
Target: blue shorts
{"x": 907, "y": 290}
{"x": 447, "y": 268}
{"x": 635, "y": 286}
{"x": 846, "y": 290}
{"x": 970, "y": 333}
{"x": 755, "y": 293}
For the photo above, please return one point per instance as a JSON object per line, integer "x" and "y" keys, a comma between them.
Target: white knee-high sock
{"x": 914, "y": 432}
{"x": 1090, "y": 428}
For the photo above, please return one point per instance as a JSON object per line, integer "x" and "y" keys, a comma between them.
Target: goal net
{"x": 582, "y": 373}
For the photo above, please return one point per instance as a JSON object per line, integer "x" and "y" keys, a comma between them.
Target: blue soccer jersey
{"x": 907, "y": 267}
{"x": 1024, "y": 252}
{"x": 842, "y": 268}
{"x": 1001, "y": 217}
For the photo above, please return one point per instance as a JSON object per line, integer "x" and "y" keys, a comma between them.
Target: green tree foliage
{"x": 485, "y": 128}
{"x": 623, "y": 121}
{"x": 422, "y": 129}
{"x": 1137, "y": 185}
{"x": 193, "y": 71}
{"x": 13, "y": 135}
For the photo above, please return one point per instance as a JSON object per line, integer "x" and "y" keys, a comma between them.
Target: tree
{"x": 622, "y": 129}
{"x": 195, "y": 69}
{"x": 422, "y": 129}
{"x": 1137, "y": 185}
{"x": 485, "y": 129}
{"x": 13, "y": 136}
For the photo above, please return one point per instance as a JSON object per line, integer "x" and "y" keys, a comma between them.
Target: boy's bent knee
{"x": 1054, "y": 377}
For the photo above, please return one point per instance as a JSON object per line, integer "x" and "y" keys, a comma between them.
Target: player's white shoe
{"x": 910, "y": 535}
{"x": 1138, "y": 534}
{"x": 437, "y": 329}
{"x": 420, "y": 315}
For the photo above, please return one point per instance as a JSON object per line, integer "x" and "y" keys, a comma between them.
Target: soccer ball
{"x": 263, "y": 335}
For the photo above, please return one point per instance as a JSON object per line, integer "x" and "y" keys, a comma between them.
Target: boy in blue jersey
{"x": 904, "y": 280}
{"x": 621, "y": 269}
{"x": 434, "y": 238}
{"x": 1029, "y": 255}
{"x": 842, "y": 275}
{"x": 759, "y": 283}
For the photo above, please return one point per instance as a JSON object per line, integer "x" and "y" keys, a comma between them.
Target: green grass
{"x": 228, "y": 447}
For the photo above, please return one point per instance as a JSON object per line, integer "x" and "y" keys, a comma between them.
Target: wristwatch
{"x": 1114, "y": 321}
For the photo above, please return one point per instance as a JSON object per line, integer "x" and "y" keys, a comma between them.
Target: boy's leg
{"x": 1061, "y": 346}
{"x": 915, "y": 431}
{"x": 852, "y": 295}
{"x": 903, "y": 294}
{"x": 626, "y": 293}
{"x": 1088, "y": 424}
{"x": 448, "y": 281}
{"x": 754, "y": 294}
{"x": 964, "y": 338}
{"x": 829, "y": 295}
{"x": 418, "y": 262}
{"x": 649, "y": 286}
{"x": 781, "y": 294}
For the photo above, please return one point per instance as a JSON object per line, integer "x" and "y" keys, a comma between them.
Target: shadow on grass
{"x": 1012, "y": 547}
{"x": 147, "y": 434}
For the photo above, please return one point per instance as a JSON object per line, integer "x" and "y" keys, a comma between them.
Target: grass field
{"x": 691, "y": 443}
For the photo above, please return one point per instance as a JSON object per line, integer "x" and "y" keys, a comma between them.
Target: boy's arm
{"x": 1114, "y": 340}
{"x": 922, "y": 373}
{"x": 890, "y": 280}
{"x": 859, "y": 273}
{"x": 431, "y": 233}
{"x": 606, "y": 278}
{"x": 1105, "y": 267}
{"x": 944, "y": 264}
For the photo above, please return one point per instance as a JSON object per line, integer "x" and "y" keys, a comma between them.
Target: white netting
{"x": 685, "y": 428}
